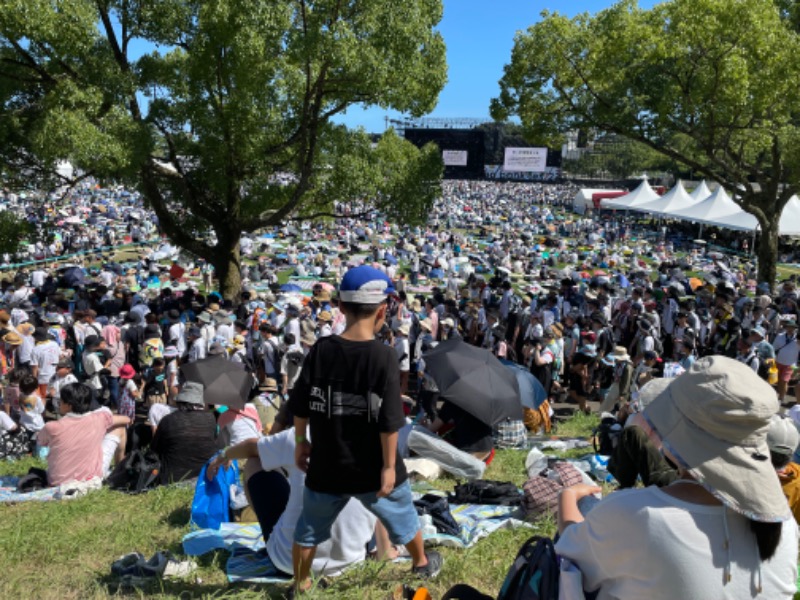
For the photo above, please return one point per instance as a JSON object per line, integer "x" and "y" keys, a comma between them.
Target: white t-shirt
{"x": 786, "y": 349}
{"x": 31, "y": 419}
{"x": 6, "y": 422}
{"x": 242, "y": 429}
{"x": 177, "y": 337}
{"x": 45, "y": 356}
{"x": 643, "y": 543}
{"x": 349, "y": 535}
{"x": 403, "y": 351}
{"x": 93, "y": 366}
{"x": 158, "y": 411}
{"x": 57, "y": 384}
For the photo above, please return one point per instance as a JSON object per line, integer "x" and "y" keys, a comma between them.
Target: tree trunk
{"x": 227, "y": 267}
{"x": 767, "y": 251}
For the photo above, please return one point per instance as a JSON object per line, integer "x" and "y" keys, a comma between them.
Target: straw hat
{"x": 270, "y": 385}
{"x": 12, "y": 338}
{"x": 714, "y": 421}
{"x": 621, "y": 353}
{"x": 308, "y": 338}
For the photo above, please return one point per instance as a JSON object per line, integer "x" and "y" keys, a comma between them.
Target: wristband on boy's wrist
{"x": 225, "y": 452}
{"x": 299, "y": 439}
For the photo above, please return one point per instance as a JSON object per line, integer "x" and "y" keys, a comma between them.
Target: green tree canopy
{"x": 13, "y": 231}
{"x": 710, "y": 83}
{"x": 227, "y": 123}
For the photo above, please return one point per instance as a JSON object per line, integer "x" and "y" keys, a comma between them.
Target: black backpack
{"x": 295, "y": 357}
{"x": 605, "y": 436}
{"x": 136, "y": 473}
{"x": 533, "y": 575}
{"x": 605, "y": 341}
{"x": 483, "y": 491}
{"x": 439, "y": 510}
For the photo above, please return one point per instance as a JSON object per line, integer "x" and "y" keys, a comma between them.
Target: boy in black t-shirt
{"x": 349, "y": 394}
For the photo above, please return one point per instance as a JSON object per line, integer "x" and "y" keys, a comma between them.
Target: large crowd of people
{"x": 601, "y": 310}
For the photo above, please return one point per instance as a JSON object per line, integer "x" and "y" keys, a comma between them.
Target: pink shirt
{"x": 75, "y": 443}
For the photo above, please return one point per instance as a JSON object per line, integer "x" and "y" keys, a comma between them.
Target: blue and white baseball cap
{"x": 365, "y": 285}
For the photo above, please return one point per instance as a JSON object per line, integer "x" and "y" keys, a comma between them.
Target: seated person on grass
{"x": 31, "y": 406}
{"x": 637, "y": 453}
{"x": 82, "y": 443}
{"x": 186, "y": 438}
{"x": 278, "y": 503}
{"x": 14, "y": 442}
{"x": 468, "y": 433}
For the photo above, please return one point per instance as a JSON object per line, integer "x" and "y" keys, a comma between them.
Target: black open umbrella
{"x": 473, "y": 379}
{"x": 225, "y": 382}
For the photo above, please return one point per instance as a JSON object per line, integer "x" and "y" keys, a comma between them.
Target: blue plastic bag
{"x": 211, "y": 503}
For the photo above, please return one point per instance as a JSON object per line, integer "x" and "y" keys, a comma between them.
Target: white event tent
{"x": 716, "y": 206}
{"x": 720, "y": 210}
{"x": 641, "y": 195}
{"x": 583, "y": 199}
{"x": 701, "y": 192}
{"x": 674, "y": 200}
{"x": 790, "y": 219}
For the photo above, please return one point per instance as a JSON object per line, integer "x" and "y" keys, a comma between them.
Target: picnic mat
{"x": 475, "y": 522}
{"x": 249, "y": 562}
{"x": 66, "y": 491}
{"x": 10, "y": 495}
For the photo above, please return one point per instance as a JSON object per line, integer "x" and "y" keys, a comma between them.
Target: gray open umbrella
{"x": 473, "y": 379}
{"x": 225, "y": 382}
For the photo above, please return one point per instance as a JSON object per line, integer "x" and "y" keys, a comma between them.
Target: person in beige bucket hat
{"x": 723, "y": 529}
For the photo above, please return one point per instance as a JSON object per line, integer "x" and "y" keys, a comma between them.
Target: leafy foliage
{"x": 709, "y": 83}
{"x": 227, "y": 124}
{"x": 13, "y": 231}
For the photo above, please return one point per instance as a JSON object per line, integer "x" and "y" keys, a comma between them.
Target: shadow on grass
{"x": 179, "y": 517}
{"x": 182, "y": 588}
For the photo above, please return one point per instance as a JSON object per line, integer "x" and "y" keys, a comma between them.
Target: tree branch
{"x": 31, "y": 61}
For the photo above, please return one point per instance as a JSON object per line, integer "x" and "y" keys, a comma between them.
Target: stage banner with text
{"x": 454, "y": 158}
{"x": 525, "y": 160}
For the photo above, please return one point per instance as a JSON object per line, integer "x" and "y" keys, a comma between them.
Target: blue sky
{"x": 479, "y": 36}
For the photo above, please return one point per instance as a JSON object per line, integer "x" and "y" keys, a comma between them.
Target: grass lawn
{"x": 65, "y": 549}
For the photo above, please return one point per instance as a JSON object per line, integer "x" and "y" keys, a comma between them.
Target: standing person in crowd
{"x": 342, "y": 463}
{"x": 787, "y": 352}
{"x": 44, "y": 358}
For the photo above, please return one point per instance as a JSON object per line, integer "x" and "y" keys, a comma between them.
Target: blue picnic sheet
{"x": 249, "y": 562}
{"x": 10, "y": 495}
